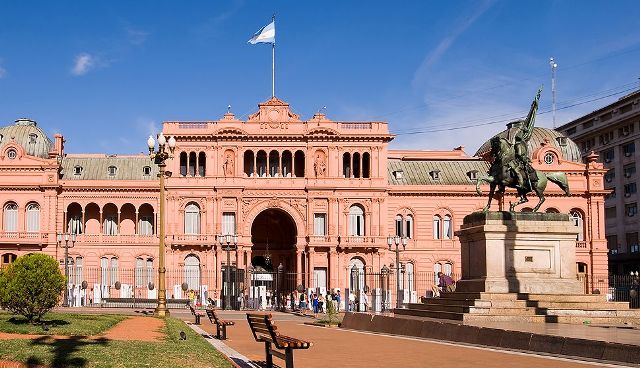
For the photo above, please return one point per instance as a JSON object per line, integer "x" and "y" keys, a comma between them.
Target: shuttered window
{"x": 320, "y": 224}
{"x": 229, "y": 223}
{"x": 145, "y": 225}
{"x": 356, "y": 221}
{"x": 192, "y": 219}
{"x": 110, "y": 225}
{"x": 33, "y": 218}
{"x": 11, "y": 217}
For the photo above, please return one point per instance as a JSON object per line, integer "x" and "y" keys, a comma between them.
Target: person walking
{"x": 315, "y": 305}
{"x": 321, "y": 301}
{"x": 338, "y": 301}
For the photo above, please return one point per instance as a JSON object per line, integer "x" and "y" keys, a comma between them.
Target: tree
{"x": 31, "y": 286}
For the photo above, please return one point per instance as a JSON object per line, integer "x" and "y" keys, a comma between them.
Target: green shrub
{"x": 31, "y": 286}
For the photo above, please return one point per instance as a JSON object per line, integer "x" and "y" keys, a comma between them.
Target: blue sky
{"x": 106, "y": 74}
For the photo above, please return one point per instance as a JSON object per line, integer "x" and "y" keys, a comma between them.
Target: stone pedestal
{"x": 523, "y": 252}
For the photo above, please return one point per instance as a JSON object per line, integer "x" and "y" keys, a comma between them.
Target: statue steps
{"x": 514, "y": 307}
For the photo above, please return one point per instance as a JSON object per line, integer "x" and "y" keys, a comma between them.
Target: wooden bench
{"x": 265, "y": 331}
{"x": 196, "y": 314}
{"x": 221, "y": 325}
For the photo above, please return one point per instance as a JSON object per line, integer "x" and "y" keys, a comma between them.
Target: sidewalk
{"x": 347, "y": 348}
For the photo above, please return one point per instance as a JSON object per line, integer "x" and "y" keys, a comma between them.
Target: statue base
{"x": 523, "y": 252}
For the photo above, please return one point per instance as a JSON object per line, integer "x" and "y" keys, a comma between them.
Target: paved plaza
{"x": 348, "y": 348}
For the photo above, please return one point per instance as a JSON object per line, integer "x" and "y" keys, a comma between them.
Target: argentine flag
{"x": 266, "y": 34}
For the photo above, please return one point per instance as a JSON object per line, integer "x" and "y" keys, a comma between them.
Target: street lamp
{"x": 228, "y": 239}
{"x": 397, "y": 240}
{"x": 66, "y": 246}
{"x": 160, "y": 157}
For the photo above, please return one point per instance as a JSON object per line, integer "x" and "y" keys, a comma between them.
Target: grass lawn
{"x": 60, "y": 324}
{"x": 195, "y": 351}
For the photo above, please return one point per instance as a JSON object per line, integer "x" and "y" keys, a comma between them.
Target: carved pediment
{"x": 274, "y": 111}
{"x": 322, "y": 131}
{"x": 230, "y": 131}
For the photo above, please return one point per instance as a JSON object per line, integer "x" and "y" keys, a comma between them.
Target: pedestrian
{"x": 315, "y": 305}
{"x": 303, "y": 304}
{"x": 352, "y": 301}
{"x": 365, "y": 301}
{"x": 445, "y": 284}
{"x": 338, "y": 301}
{"x": 321, "y": 300}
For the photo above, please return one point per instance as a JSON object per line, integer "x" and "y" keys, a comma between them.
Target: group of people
{"x": 317, "y": 302}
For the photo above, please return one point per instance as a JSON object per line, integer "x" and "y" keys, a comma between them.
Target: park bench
{"x": 196, "y": 314}
{"x": 265, "y": 331}
{"x": 221, "y": 325}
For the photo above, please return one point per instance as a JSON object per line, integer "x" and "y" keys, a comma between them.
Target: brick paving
{"x": 345, "y": 348}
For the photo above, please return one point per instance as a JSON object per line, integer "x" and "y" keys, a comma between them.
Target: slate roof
{"x": 97, "y": 168}
{"x": 570, "y": 151}
{"x": 452, "y": 172}
{"x": 20, "y": 132}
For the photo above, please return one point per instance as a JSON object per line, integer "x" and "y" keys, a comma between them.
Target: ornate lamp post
{"x": 228, "y": 239}
{"x": 66, "y": 246}
{"x": 397, "y": 240}
{"x": 160, "y": 157}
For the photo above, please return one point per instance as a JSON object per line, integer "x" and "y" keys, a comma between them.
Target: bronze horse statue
{"x": 501, "y": 176}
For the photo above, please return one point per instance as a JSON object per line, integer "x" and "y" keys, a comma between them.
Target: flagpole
{"x": 273, "y": 62}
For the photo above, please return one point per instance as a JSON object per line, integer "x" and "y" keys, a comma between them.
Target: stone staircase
{"x": 513, "y": 307}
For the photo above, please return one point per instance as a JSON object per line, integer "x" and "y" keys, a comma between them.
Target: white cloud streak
{"x": 82, "y": 64}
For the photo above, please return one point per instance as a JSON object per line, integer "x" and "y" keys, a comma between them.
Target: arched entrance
{"x": 273, "y": 238}
{"x": 273, "y": 235}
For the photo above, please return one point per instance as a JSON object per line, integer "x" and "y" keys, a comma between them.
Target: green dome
{"x": 566, "y": 146}
{"x": 26, "y": 133}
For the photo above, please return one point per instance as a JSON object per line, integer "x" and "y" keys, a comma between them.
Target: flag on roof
{"x": 266, "y": 34}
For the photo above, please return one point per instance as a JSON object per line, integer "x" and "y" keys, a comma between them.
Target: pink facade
{"x": 318, "y": 196}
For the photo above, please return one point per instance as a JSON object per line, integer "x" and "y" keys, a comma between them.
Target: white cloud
{"x": 83, "y": 63}
{"x": 135, "y": 36}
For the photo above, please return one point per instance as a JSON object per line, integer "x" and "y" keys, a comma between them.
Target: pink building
{"x": 319, "y": 197}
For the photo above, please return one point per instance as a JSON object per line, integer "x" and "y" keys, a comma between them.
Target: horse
{"x": 500, "y": 176}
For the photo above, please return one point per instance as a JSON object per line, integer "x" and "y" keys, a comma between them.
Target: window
{"x": 629, "y": 170}
{"x": 549, "y": 158}
{"x": 562, "y": 141}
{"x": 229, "y": 223}
{"x": 473, "y": 175}
{"x": 625, "y": 108}
{"x": 631, "y": 209}
{"x": 146, "y": 171}
{"x": 632, "y": 242}
{"x": 399, "y": 226}
{"x": 320, "y": 223}
{"x": 441, "y": 266}
{"x": 629, "y": 149}
{"x": 110, "y": 225}
{"x": 319, "y": 277}
{"x": 571, "y": 131}
{"x": 79, "y": 277}
{"x": 11, "y": 217}
{"x": 192, "y": 219}
{"x": 409, "y": 227}
{"x": 75, "y": 225}
{"x": 608, "y": 156}
{"x": 398, "y": 174}
{"x": 104, "y": 270}
{"x": 8, "y": 258}
{"x": 435, "y": 174}
{"x": 611, "y": 195}
{"x": 576, "y": 218}
{"x": 112, "y": 170}
{"x": 356, "y": 273}
{"x": 192, "y": 272}
{"x": 612, "y": 242}
{"x": 33, "y": 218}
{"x": 436, "y": 227}
{"x": 447, "y": 231}
{"x": 77, "y": 170}
{"x": 143, "y": 271}
{"x": 108, "y": 271}
{"x": 11, "y": 153}
{"x": 139, "y": 272}
{"x": 183, "y": 163}
{"x": 202, "y": 164}
{"x": 145, "y": 225}
{"x": 629, "y": 189}
{"x": 410, "y": 284}
{"x": 587, "y": 124}
{"x": 610, "y": 213}
{"x": 192, "y": 164}
{"x": 113, "y": 271}
{"x": 346, "y": 165}
{"x": 609, "y": 176}
{"x": 33, "y": 138}
{"x": 356, "y": 221}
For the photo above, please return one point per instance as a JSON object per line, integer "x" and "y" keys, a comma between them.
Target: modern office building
{"x": 613, "y": 132}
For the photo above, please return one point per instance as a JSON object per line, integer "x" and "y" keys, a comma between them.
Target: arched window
{"x": 287, "y": 162}
{"x": 408, "y": 227}
{"x": 274, "y": 164}
{"x": 436, "y": 227}
{"x": 399, "y": 225}
{"x": 356, "y": 165}
{"x": 104, "y": 270}
{"x": 346, "y": 165}
{"x": 192, "y": 219}
{"x": 8, "y": 258}
{"x": 551, "y": 210}
{"x": 192, "y": 272}
{"x": 139, "y": 272}
{"x": 356, "y": 274}
{"x": 366, "y": 165}
{"x": 114, "y": 270}
{"x": 441, "y": 266}
{"x": 576, "y": 218}
{"x": 298, "y": 164}
{"x": 33, "y": 218}
{"x": 356, "y": 221}
{"x": 248, "y": 163}
{"x": 447, "y": 229}
{"x": 202, "y": 164}
{"x": 192, "y": 163}
{"x": 410, "y": 285}
{"x": 183, "y": 163}
{"x": 150, "y": 273}
{"x": 10, "y": 217}
{"x": 261, "y": 163}
{"x": 79, "y": 265}
{"x": 437, "y": 267}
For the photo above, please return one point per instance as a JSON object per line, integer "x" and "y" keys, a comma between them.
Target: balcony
{"x": 202, "y": 240}
{"x": 319, "y": 239}
{"x": 581, "y": 245}
{"x": 363, "y": 241}
{"x": 91, "y": 239}
{"x": 23, "y": 237}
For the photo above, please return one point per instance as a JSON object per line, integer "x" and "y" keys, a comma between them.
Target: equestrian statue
{"x": 511, "y": 165}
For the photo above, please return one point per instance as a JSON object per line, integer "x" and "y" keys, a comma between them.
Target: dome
{"x": 26, "y": 133}
{"x": 566, "y": 146}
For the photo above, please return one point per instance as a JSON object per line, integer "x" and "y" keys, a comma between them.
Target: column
{"x": 280, "y": 164}
{"x": 332, "y": 269}
{"x": 312, "y": 254}
{"x": 298, "y": 267}
{"x": 136, "y": 230}
{"x": 255, "y": 163}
